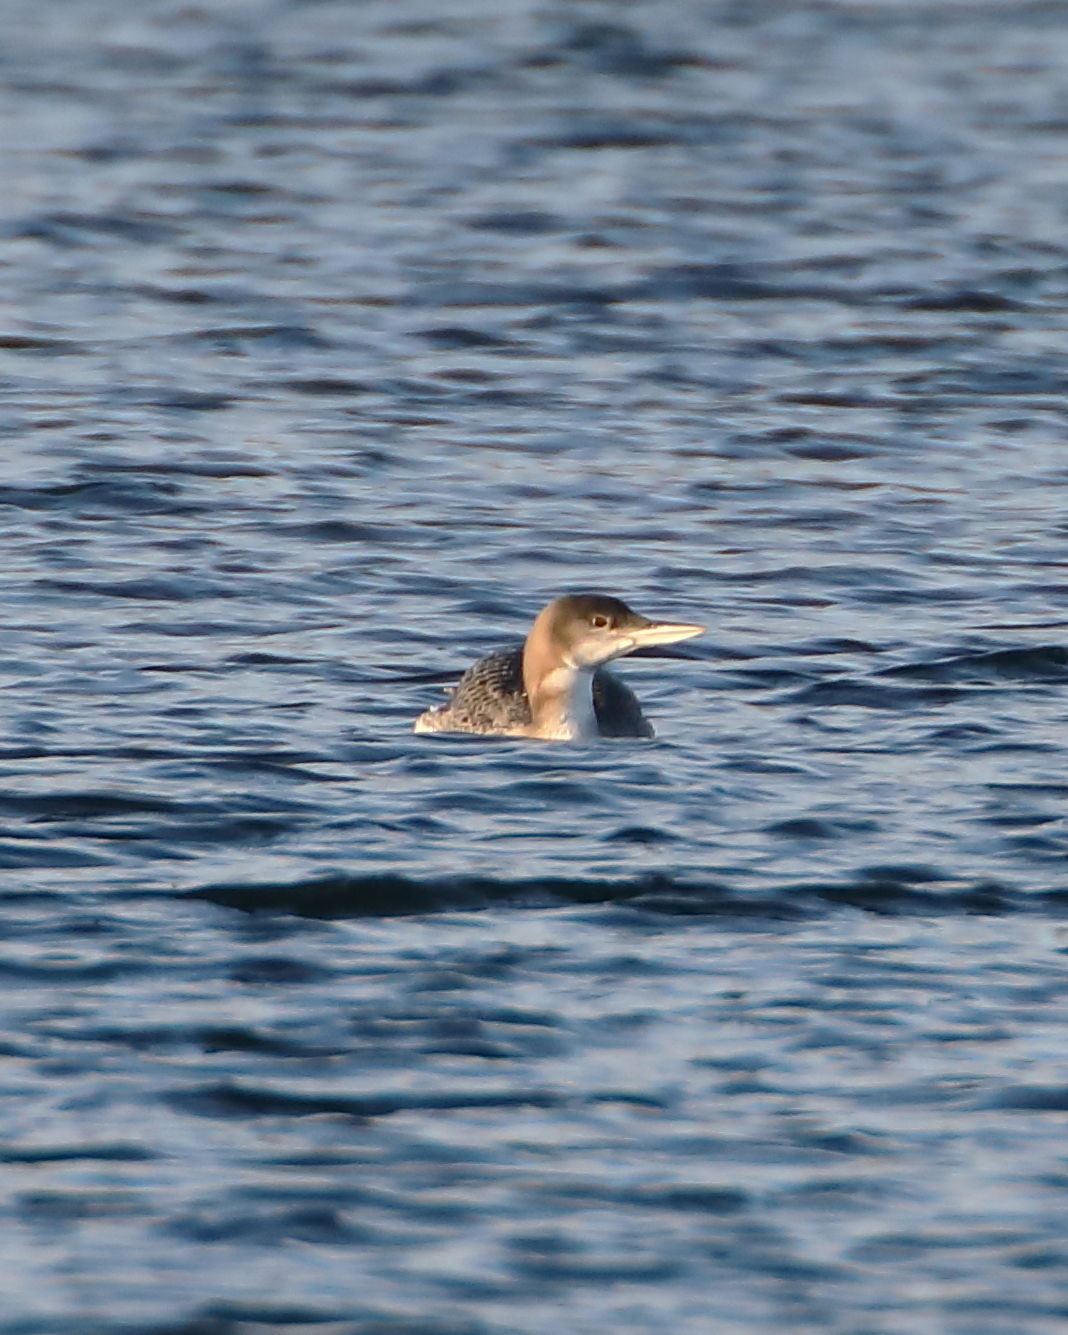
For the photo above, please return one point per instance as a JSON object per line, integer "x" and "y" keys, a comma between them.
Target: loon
{"x": 554, "y": 687}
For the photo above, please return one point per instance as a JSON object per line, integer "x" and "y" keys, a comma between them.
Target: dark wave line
{"x": 1046, "y": 663}
{"x": 905, "y": 891}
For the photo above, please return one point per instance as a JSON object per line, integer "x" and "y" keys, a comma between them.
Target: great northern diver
{"x": 553, "y": 687}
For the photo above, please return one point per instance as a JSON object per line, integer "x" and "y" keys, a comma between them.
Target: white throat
{"x": 564, "y": 707}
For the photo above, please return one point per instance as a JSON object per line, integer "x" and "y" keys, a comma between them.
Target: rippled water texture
{"x": 335, "y": 339}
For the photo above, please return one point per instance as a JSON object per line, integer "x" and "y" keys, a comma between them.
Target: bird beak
{"x": 662, "y": 632}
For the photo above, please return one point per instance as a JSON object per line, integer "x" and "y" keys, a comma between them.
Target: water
{"x": 334, "y": 341}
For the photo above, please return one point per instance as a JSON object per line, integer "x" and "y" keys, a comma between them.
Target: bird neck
{"x": 560, "y": 695}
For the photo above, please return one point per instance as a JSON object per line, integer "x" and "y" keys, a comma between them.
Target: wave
{"x": 915, "y": 891}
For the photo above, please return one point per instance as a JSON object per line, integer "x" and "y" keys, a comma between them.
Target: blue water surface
{"x": 335, "y": 340}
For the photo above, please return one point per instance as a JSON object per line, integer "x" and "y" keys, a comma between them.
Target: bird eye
{"x": 599, "y": 622}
